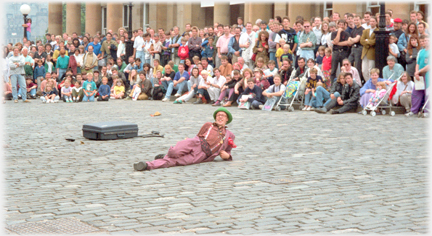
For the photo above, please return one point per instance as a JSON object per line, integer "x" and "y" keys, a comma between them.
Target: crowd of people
{"x": 219, "y": 64}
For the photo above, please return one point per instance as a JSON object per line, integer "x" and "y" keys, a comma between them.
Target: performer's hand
{"x": 224, "y": 155}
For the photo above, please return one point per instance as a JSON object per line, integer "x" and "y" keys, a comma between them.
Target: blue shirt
{"x": 422, "y": 61}
{"x": 370, "y": 85}
{"x": 178, "y": 75}
{"x": 39, "y": 71}
{"x": 395, "y": 73}
{"x": 96, "y": 48}
{"x": 104, "y": 89}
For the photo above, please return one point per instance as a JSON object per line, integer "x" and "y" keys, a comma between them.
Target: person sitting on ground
{"x": 203, "y": 86}
{"x": 241, "y": 85}
{"x": 323, "y": 96}
{"x": 104, "y": 90}
{"x": 403, "y": 92}
{"x": 215, "y": 85}
{"x": 311, "y": 85}
{"x": 225, "y": 68}
{"x": 392, "y": 70}
{"x": 212, "y": 140}
{"x": 229, "y": 89}
{"x": 260, "y": 80}
{"x": 77, "y": 92}
{"x": 270, "y": 72}
{"x": 255, "y": 94}
{"x": 145, "y": 85}
{"x": 50, "y": 95}
{"x": 90, "y": 89}
{"x": 301, "y": 69}
{"x": 66, "y": 91}
{"x": 30, "y": 89}
{"x": 369, "y": 87}
{"x": 179, "y": 82}
{"x": 7, "y": 94}
{"x": 206, "y": 66}
{"x": 347, "y": 68}
{"x": 158, "y": 89}
{"x": 276, "y": 90}
{"x": 348, "y": 99}
{"x": 118, "y": 91}
{"x": 194, "y": 81}
{"x": 226, "y": 91}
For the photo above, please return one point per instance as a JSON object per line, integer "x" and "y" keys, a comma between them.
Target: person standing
{"x": 222, "y": 45}
{"x": 307, "y": 42}
{"x": 340, "y": 48}
{"x": 367, "y": 40}
{"x": 247, "y": 43}
{"x": 16, "y": 65}
{"x": 356, "y": 47}
{"x": 194, "y": 44}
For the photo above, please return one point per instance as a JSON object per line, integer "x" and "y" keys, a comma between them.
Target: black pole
{"x": 129, "y": 43}
{"x": 25, "y": 29}
{"x": 382, "y": 41}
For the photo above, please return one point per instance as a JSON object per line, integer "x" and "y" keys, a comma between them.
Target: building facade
{"x": 104, "y": 16}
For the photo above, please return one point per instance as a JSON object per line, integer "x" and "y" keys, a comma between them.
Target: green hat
{"x": 226, "y": 112}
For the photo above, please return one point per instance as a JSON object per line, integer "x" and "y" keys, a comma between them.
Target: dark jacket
{"x": 256, "y": 93}
{"x": 351, "y": 94}
{"x": 336, "y": 87}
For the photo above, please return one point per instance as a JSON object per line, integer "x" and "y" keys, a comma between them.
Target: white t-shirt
{"x": 275, "y": 89}
{"x": 138, "y": 43}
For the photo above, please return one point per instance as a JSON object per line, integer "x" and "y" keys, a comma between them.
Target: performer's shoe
{"x": 160, "y": 156}
{"x": 140, "y": 166}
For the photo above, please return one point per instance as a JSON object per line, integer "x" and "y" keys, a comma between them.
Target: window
{"x": 373, "y": 7}
{"x": 422, "y": 6}
{"x": 104, "y": 20}
{"x": 145, "y": 16}
{"x": 328, "y": 9}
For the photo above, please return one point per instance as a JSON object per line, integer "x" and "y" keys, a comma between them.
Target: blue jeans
{"x": 308, "y": 100}
{"x": 32, "y": 92}
{"x": 171, "y": 87}
{"x": 336, "y": 94}
{"x": 321, "y": 95}
{"x": 17, "y": 78}
{"x": 28, "y": 35}
{"x": 255, "y": 104}
{"x": 307, "y": 54}
{"x": 272, "y": 56}
{"x": 61, "y": 73}
{"x": 88, "y": 99}
{"x": 140, "y": 55}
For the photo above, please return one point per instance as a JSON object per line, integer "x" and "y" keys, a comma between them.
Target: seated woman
{"x": 241, "y": 85}
{"x": 227, "y": 90}
{"x": 311, "y": 85}
{"x": 392, "y": 70}
{"x": 260, "y": 81}
{"x": 194, "y": 81}
{"x": 212, "y": 140}
{"x": 369, "y": 88}
{"x": 403, "y": 94}
{"x": 323, "y": 96}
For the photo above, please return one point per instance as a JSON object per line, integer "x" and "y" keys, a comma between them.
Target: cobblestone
{"x": 292, "y": 172}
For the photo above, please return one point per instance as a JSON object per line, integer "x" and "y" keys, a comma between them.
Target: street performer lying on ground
{"x": 212, "y": 140}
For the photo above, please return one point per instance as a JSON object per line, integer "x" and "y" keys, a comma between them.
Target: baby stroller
{"x": 294, "y": 92}
{"x": 384, "y": 102}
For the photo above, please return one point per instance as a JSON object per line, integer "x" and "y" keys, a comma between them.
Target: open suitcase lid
{"x": 110, "y": 126}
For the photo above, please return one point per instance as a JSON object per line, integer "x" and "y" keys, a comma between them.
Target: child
{"x": 31, "y": 88}
{"x": 183, "y": 51}
{"x": 321, "y": 54}
{"x": 158, "y": 90}
{"x": 311, "y": 86}
{"x": 67, "y": 91}
{"x": 379, "y": 94}
{"x": 118, "y": 91}
{"x": 49, "y": 64}
{"x": 260, "y": 64}
{"x": 271, "y": 71}
{"x": 39, "y": 72}
{"x": 326, "y": 67}
{"x": 279, "y": 53}
{"x": 393, "y": 49}
{"x": 285, "y": 54}
{"x": 79, "y": 79}
{"x": 77, "y": 92}
{"x": 209, "y": 50}
{"x": 89, "y": 88}
{"x": 50, "y": 94}
{"x": 225, "y": 68}
{"x": 104, "y": 90}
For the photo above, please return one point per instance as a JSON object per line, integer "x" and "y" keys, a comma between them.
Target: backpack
{"x": 28, "y": 70}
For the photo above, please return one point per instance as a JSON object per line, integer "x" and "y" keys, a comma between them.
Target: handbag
{"x": 253, "y": 57}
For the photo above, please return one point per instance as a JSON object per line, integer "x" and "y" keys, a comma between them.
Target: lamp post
{"x": 382, "y": 41}
{"x": 25, "y": 10}
{"x": 129, "y": 43}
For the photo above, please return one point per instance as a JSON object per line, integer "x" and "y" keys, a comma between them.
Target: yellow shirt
{"x": 280, "y": 52}
{"x": 118, "y": 89}
{"x": 159, "y": 68}
{"x": 56, "y": 54}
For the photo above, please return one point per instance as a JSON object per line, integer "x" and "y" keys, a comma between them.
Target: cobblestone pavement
{"x": 296, "y": 173}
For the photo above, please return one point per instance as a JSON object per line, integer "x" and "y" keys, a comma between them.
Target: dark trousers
{"x": 204, "y": 93}
{"x": 165, "y": 59}
{"x": 194, "y": 53}
{"x": 103, "y": 99}
{"x": 356, "y": 61}
{"x": 337, "y": 58}
{"x": 344, "y": 108}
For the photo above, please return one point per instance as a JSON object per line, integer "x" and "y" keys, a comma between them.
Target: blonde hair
{"x": 374, "y": 70}
{"x": 382, "y": 84}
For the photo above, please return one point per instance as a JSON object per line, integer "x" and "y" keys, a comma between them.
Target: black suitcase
{"x": 110, "y": 130}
